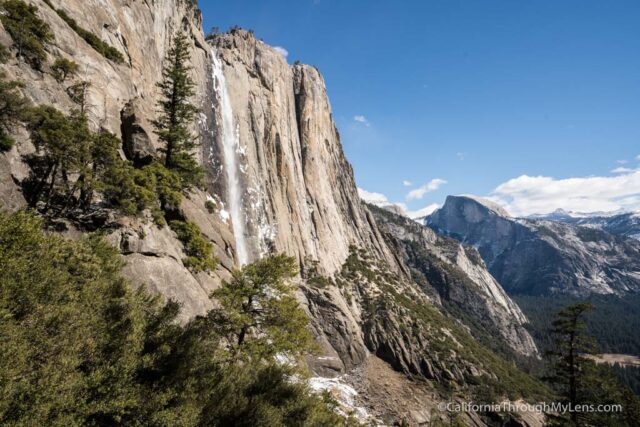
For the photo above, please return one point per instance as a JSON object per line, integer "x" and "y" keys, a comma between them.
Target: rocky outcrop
{"x": 136, "y": 142}
{"x": 393, "y": 318}
{"x": 457, "y": 279}
{"x": 541, "y": 257}
{"x": 153, "y": 257}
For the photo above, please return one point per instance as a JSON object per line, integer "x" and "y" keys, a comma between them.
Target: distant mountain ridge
{"x": 620, "y": 223}
{"x": 538, "y": 256}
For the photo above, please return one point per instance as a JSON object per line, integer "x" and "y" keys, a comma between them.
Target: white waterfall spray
{"x": 230, "y": 148}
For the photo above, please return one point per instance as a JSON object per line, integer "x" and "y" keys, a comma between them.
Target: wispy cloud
{"x": 282, "y": 51}
{"x": 361, "y": 119}
{"x": 526, "y": 195}
{"x": 430, "y": 186}
{"x": 622, "y": 162}
{"x": 621, "y": 169}
{"x": 460, "y": 155}
{"x": 406, "y": 183}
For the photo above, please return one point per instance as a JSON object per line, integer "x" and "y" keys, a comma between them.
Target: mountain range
{"x": 541, "y": 256}
{"x": 621, "y": 223}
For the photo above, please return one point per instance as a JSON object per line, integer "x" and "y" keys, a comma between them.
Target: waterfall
{"x": 231, "y": 148}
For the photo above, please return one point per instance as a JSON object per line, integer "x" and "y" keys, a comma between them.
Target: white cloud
{"x": 621, "y": 170}
{"x": 406, "y": 183}
{"x": 427, "y": 210}
{"x": 622, "y": 162}
{"x": 432, "y": 185}
{"x": 380, "y": 200}
{"x": 526, "y": 195}
{"x": 282, "y": 51}
{"x": 638, "y": 157}
{"x": 460, "y": 155}
{"x": 361, "y": 119}
{"x": 371, "y": 197}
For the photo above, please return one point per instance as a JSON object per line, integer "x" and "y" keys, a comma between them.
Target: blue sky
{"x": 538, "y": 99}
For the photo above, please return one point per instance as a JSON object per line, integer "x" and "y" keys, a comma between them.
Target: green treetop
{"x": 30, "y": 34}
{"x": 579, "y": 381}
{"x": 259, "y": 316}
{"x": 177, "y": 114}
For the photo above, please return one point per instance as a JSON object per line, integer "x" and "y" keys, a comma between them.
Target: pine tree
{"x": 259, "y": 316}
{"x": 570, "y": 365}
{"x": 177, "y": 114}
{"x": 30, "y": 34}
{"x": 63, "y": 68}
{"x": 72, "y": 165}
{"x": 12, "y": 109}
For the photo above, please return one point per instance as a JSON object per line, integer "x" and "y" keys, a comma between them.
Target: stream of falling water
{"x": 231, "y": 146}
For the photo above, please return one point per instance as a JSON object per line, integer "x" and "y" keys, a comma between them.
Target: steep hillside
{"x": 541, "y": 257}
{"x": 455, "y": 276}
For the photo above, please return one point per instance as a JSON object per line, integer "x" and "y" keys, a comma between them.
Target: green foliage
{"x": 63, "y": 68}
{"x": 259, "y": 316}
{"x": 199, "y": 251}
{"x": 313, "y": 276}
{"x": 79, "y": 348}
{"x": 73, "y": 164}
{"x": 73, "y": 334}
{"x": 30, "y": 34}
{"x": 12, "y": 109}
{"x": 578, "y": 380}
{"x": 94, "y": 41}
{"x": 177, "y": 114}
{"x": 629, "y": 375}
{"x": 64, "y": 150}
{"x": 168, "y": 185}
{"x": 210, "y": 206}
{"x": 4, "y": 54}
{"x": 570, "y": 366}
{"x": 613, "y": 323}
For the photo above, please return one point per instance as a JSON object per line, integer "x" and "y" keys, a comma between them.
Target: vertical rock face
{"x": 142, "y": 31}
{"x": 300, "y": 195}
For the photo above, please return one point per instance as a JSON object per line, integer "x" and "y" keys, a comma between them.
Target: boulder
{"x": 136, "y": 143}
